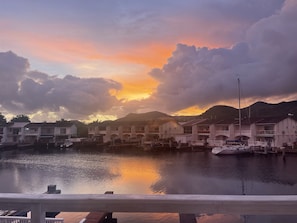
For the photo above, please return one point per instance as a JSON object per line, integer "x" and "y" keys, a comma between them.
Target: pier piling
{"x": 187, "y": 218}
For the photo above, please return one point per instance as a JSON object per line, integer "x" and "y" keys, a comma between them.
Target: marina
{"x": 171, "y": 172}
{"x": 148, "y": 111}
{"x": 231, "y": 147}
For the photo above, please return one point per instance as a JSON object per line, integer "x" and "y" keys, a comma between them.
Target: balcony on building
{"x": 187, "y": 129}
{"x": 126, "y": 129}
{"x": 265, "y": 130}
{"x": 203, "y": 130}
{"x": 114, "y": 129}
{"x": 153, "y": 130}
{"x": 245, "y": 130}
{"x": 222, "y": 130}
{"x": 139, "y": 129}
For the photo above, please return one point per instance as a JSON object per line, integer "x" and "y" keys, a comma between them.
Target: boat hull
{"x": 231, "y": 150}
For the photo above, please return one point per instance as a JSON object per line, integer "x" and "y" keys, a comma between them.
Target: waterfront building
{"x": 192, "y": 133}
{"x": 278, "y": 132}
{"x": 29, "y": 133}
{"x": 267, "y": 131}
{"x": 135, "y": 131}
{"x": 46, "y": 132}
{"x": 13, "y": 132}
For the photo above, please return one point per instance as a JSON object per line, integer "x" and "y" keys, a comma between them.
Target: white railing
{"x": 16, "y": 219}
{"x": 186, "y": 204}
{"x": 257, "y": 143}
{"x": 222, "y": 132}
{"x": 243, "y": 133}
{"x": 265, "y": 132}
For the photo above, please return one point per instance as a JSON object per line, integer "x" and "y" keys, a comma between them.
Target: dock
{"x": 51, "y": 189}
{"x": 99, "y": 216}
{"x": 188, "y": 204}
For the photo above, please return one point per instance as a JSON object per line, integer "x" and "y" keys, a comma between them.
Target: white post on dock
{"x": 37, "y": 214}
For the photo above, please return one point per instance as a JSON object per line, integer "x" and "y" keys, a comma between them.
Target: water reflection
{"x": 136, "y": 175}
{"x": 174, "y": 173}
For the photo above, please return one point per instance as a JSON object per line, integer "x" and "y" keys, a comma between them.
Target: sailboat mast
{"x": 239, "y": 109}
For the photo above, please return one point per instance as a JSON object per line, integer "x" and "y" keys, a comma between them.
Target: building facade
{"x": 275, "y": 132}
{"x": 29, "y": 133}
{"x": 135, "y": 131}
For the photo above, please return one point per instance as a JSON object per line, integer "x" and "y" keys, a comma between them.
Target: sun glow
{"x": 194, "y": 110}
{"x": 137, "y": 87}
{"x": 152, "y": 55}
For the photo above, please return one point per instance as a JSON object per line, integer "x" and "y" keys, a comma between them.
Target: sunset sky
{"x": 102, "y": 59}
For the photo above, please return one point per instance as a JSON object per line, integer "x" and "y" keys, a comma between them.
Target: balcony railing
{"x": 265, "y": 132}
{"x": 223, "y": 132}
{"x": 201, "y": 131}
{"x": 186, "y": 204}
{"x": 243, "y": 132}
{"x": 31, "y": 132}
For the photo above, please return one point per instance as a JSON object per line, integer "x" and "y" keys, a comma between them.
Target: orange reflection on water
{"x": 134, "y": 175}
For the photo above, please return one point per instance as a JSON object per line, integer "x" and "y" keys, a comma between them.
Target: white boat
{"x": 67, "y": 144}
{"x": 232, "y": 147}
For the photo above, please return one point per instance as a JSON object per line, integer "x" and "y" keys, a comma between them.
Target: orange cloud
{"x": 58, "y": 49}
{"x": 63, "y": 50}
{"x": 72, "y": 50}
{"x": 152, "y": 55}
{"x": 136, "y": 87}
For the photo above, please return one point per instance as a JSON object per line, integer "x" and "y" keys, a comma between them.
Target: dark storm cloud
{"x": 266, "y": 63}
{"x": 12, "y": 70}
{"x": 22, "y": 90}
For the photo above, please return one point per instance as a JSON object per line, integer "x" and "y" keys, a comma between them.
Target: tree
{"x": 2, "y": 119}
{"x": 20, "y": 118}
{"x": 82, "y": 129}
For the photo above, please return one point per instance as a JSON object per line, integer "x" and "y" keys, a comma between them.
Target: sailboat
{"x": 233, "y": 146}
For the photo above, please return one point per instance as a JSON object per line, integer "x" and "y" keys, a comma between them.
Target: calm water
{"x": 171, "y": 173}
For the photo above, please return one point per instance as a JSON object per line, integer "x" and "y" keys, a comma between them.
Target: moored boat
{"x": 232, "y": 147}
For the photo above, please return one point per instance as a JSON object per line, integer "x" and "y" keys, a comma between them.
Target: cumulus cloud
{"x": 26, "y": 91}
{"x": 265, "y": 62}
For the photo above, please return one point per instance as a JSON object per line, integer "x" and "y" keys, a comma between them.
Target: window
{"x": 47, "y": 131}
{"x": 15, "y": 131}
{"x": 102, "y": 128}
{"x": 225, "y": 128}
{"x": 188, "y": 129}
{"x": 63, "y": 131}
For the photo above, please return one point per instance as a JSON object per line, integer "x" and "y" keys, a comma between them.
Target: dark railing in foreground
{"x": 186, "y": 204}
